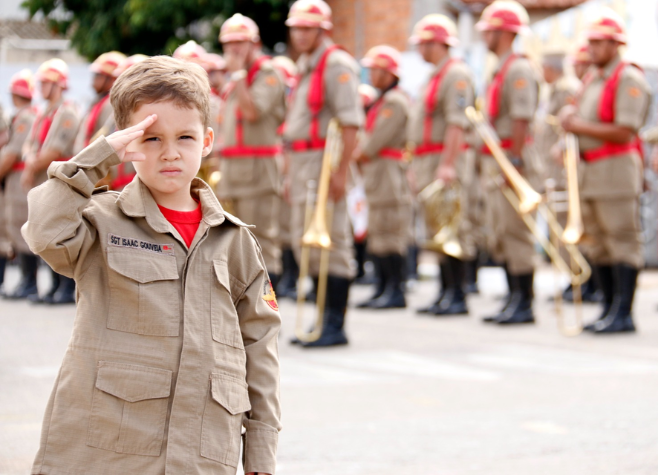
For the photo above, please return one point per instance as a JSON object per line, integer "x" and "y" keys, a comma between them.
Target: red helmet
{"x": 54, "y": 70}
{"x": 311, "y": 14}
{"x": 368, "y": 94}
{"x": 504, "y": 15}
{"x": 581, "y": 55}
{"x": 239, "y": 28}
{"x": 383, "y": 57}
{"x": 107, "y": 63}
{"x": 287, "y": 68}
{"x": 215, "y": 62}
{"x": 435, "y": 27}
{"x": 129, "y": 61}
{"x": 22, "y": 84}
{"x": 607, "y": 26}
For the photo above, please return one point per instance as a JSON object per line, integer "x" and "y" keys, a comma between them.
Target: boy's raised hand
{"x": 120, "y": 139}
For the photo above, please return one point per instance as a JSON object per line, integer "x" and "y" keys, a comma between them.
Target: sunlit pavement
{"x": 412, "y": 394}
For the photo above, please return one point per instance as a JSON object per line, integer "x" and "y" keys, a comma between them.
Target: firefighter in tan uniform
{"x": 100, "y": 111}
{"x": 581, "y": 61}
{"x": 511, "y": 103}
{"x": 216, "y": 68}
{"x": 51, "y": 139}
{"x": 14, "y": 208}
{"x": 123, "y": 173}
{"x": 289, "y": 269}
{"x": 328, "y": 88}
{"x": 254, "y": 108}
{"x": 5, "y": 248}
{"x": 381, "y": 157}
{"x": 611, "y": 109}
{"x": 437, "y": 129}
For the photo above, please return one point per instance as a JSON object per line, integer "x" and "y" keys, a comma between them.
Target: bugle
{"x": 442, "y": 206}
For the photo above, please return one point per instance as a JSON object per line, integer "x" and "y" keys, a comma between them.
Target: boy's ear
{"x": 208, "y": 140}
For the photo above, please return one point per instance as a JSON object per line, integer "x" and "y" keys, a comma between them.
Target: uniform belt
{"x": 305, "y": 145}
{"x": 20, "y": 166}
{"x": 433, "y": 148}
{"x": 245, "y": 151}
{"x": 505, "y": 144}
{"x": 609, "y": 150}
{"x": 391, "y": 154}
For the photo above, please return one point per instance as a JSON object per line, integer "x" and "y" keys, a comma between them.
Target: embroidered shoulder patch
{"x": 269, "y": 296}
{"x": 131, "y": 243}
{"x": 520, "y": 83}
{"x": 461, "y": 85}
{"x": 386, "y": 113}
{"x": 634, "y": 92}
{"x": 343, "y": 78}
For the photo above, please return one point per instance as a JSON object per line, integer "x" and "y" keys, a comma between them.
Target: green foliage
{"x": 154, "y": 26}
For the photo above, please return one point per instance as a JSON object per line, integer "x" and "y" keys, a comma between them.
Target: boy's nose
{"x": 170, "y": 152}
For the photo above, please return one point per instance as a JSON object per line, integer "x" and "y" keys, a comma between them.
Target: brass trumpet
{"x": 442, "y": 204}
{"x": 317, "y": 234}
{"x": 524, "y": 199}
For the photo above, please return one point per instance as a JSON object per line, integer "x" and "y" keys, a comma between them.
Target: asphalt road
{"x": 414, "y": 395}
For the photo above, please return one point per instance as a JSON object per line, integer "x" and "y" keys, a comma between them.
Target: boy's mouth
{"x": 171, "y": 171}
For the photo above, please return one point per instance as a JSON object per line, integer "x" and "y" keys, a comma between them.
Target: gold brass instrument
{"x": 524, "y": 199}
{"x": 442, "y": 205}
{"x": 317, "y": 234}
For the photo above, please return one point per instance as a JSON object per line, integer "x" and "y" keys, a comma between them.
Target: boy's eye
{"x": 187, "y": 137}
{"x": 151, "y": 139}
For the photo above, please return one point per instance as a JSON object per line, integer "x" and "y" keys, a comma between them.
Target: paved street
{"x": 413, "y": 394}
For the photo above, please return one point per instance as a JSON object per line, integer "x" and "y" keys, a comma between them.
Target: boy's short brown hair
{"x": 158, "y": 79}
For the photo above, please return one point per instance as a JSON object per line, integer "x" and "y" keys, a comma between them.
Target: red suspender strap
{"x": 505, "y": 144}
{"x": 239, "y": 150}
{"x": 496, "y": 88}
{"x": 387, "y": 153}
{"x": 607, "y": 115}
{"x": 315, "y": 102}
{"x": 93, "y": 118}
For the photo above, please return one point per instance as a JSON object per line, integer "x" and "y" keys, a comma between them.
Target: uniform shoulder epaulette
{"x": 237, "y": 221}
{"x": 101, "y": 190}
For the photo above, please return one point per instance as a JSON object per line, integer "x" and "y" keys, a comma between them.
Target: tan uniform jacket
{"x": 173, "y": 349}
{"x": 101, "y": 120}
{"x": 618, "y": 177}
{"x": 19, "y": 129}
{"x": 249, "y": 176}
{"x": 341, "y": 100}
{"x": 385, "y": 179}
{"x": 454, "y": 95}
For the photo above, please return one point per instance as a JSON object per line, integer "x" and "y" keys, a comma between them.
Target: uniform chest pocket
{"x": 144, "y": 293}
{"x": 226, "y": 403}
{"x": 224, "y": 316}
{"x": 129, "y": 408}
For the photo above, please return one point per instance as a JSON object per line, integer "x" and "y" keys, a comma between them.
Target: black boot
{"x": 454, "y": 302}
{"x": 290, "y": 271}
{"x": 471, "y": 285}
{"x": 333, "y": 334}
{"x": 27, "y": 264}
{"x": 620, "y": 318}
{"x": 3, "y": 265}
{"x": 605, "y": 283}
{"x": 520, "y": 307}
{"x": 511, "y": 285}
{"x": 412, "y": 263}
{"x": 443, "y": 287}
{"x": 311, "y": 297}
{"x": 393, "y": 296}
{"x": 361, "y": 257}
{"x": 591, "y": 292}
{"x": 48, "y": 297}
{"x": 65, "y": 293}
{"x": 381, "y": 281}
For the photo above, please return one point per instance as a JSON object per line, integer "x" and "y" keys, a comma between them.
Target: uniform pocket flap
{"x": 133, "y": 383}
{"x": 221, "y": 271}
{"x": 142, "y": 266}
{"x": 231, "y": 393}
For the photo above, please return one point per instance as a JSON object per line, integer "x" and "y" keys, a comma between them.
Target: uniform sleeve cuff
{"x": 260, "y": 446}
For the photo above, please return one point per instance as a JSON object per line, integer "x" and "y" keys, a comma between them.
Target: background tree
{"x": 154, "y": 26}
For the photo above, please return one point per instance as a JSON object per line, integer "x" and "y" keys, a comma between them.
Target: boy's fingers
{"x": 145, "y": 124}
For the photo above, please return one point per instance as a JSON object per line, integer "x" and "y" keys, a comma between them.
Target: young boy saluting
{"x": 174, "y": 346}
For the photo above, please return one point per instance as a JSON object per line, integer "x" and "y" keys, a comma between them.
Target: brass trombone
{"x": 442, "y": 204}
{"x": 317, "y": 234}
{"x": 524, "y": 200}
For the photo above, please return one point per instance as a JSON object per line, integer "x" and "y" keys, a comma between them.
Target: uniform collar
{"x": 441, "y": 65}
{"x": 609, "y": 68}
{"x": 308, "y": 62}
{"x": 502, "y": 60}
{"x": 136, "y": 201}
{"x": 50, "y": 108}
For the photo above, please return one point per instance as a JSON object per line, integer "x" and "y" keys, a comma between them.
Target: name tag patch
{"x": 131, "y": 243}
